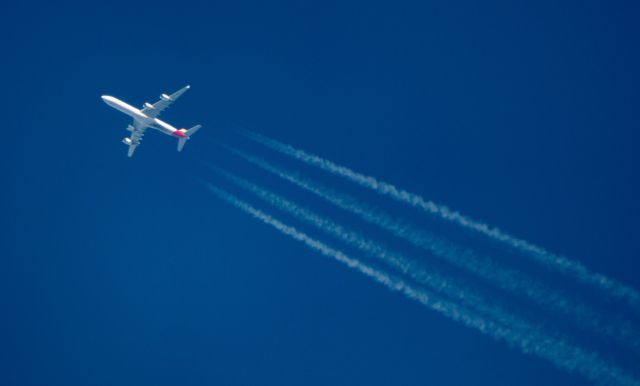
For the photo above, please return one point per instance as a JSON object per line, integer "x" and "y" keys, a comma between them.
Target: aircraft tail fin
{"x": 187, "y": 135}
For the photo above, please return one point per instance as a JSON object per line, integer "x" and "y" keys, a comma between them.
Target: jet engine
{"x": 127, "y": 141}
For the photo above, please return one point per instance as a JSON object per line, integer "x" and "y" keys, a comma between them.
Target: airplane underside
{"x": 147, "y": 118}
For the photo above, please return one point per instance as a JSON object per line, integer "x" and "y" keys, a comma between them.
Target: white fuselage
{"x": 139, "y": 116}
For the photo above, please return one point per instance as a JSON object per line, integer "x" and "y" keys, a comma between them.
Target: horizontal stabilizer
{"x": 192, "y": 130}
{"x": 181, "y": 142}
{"x": 188, "y": 134}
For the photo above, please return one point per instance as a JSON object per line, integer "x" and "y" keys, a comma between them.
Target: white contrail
{"x": 430, "y": 277}
{"x": 560, "y": 353}
{"x": 507, "y": 279}
{"x": 559, "y": 263}
{"x": 375, "y": 249}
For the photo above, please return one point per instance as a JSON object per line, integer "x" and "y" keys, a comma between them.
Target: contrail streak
{"x": 560, "y": 353}
{"x": 511, "y": 280}
{"x": 373, "y": 249}
{"x": 398, "y": 261}
{"x": 559, "y": 263}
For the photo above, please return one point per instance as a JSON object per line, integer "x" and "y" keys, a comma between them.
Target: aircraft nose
{"x": 109, "y": 100}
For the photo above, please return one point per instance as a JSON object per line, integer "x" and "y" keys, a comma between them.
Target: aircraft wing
{"x": 153, "y": 110}
{"x": 137, "y": 132}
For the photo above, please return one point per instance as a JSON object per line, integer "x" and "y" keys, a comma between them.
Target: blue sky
{"x": 126, "y": 271}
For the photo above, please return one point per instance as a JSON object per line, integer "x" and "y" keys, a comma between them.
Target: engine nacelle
{"x": 148, "y": 105}
{"x": 165, "y": 97}
{"x": 127, "y": 141}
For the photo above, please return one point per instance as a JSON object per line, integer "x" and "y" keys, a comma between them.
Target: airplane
{"x": 148, "y": 117}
